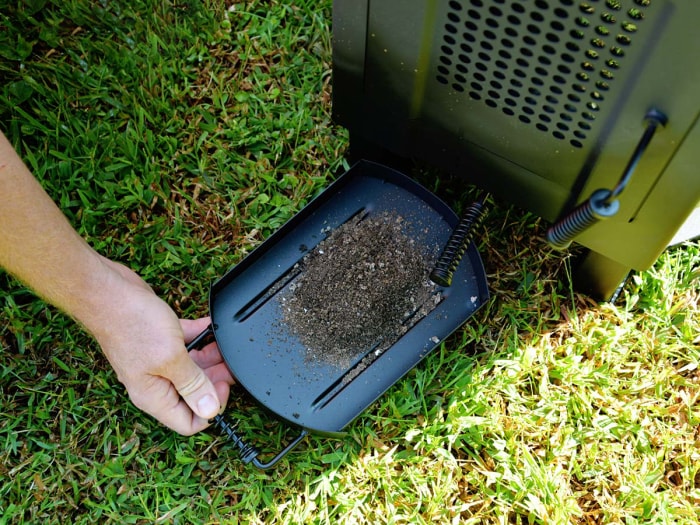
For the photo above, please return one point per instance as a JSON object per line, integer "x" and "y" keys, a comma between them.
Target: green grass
{"x": 178, "y": 136}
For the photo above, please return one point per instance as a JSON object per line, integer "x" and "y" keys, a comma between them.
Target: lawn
{"x": 176, "y": 136}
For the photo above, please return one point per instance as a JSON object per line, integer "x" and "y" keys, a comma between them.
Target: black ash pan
{"x": 267, "y": 356}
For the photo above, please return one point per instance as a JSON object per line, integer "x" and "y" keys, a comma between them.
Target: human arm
{"x": 139, "y": 334}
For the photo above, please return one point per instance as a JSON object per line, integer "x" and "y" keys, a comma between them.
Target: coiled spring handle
{"x": 457, "y": 244}
{"x": 602, "y": 204}
{"x": 247, "y": 453}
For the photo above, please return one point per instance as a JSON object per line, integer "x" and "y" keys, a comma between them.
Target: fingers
{"x": 191, "y": 328}
{"x": 194, "y": 386}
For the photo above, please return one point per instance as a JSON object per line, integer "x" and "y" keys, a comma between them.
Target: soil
{"x": 359, "y": 289}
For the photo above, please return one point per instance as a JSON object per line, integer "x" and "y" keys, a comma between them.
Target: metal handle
{"x": 603, "y": 204}
{"x": 247, "y": 453}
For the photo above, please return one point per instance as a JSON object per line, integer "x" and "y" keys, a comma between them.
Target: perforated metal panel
{"x": 549, "y": 63}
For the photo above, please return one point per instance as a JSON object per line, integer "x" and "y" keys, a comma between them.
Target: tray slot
{"x": 369, "y": 357}
{"x": 268, "y": 293}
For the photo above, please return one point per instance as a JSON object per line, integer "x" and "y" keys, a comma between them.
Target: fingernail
{"x": 208, "y": 406}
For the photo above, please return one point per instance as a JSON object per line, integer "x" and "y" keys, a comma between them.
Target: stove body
{"x": 540, "y": 102}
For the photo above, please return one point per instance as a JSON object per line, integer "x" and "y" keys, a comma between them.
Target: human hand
{"x": 145, "y": 344}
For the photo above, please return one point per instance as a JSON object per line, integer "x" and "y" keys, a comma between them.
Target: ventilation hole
{"x": 580, "y": 134}
{"x": 460, "y": 78}
{"x": 501, "y": 64}
{"x": 602, "y": 30}
{"x": 561, "y": 13}
{"x": 513, "y": 92}
{"x": 607, "y": 74}
{"x": 481, "y": 67}
{"x": 534, "y": 91}
{"x": 484, "y": 56}
{"x": 598, "y": 42}
{"x": 623, "y": 40}
{"x": 519, "y": 73}
{"x": 510, "y": 101}
{"x": 575, "y": 143}
{"x": 592, "y": 54}
{"x": 537, "y": 81}
{"x": 533, "y": 29}
{"x": 559, "y": 79}
{"x": 458, "y": 87}
{"x": 583, "y": 21}
{"x": 522, "y": 62}
{"x": 584, "y": 125}
{"x": 476, "y": 86}
{"x": 617, "y": 51}
{"x": 445, "y": 60}
{"x": 469, "y": 37}
{"x": 461, "y": 68}
{"x": 443, "y": 70}
{"x": 508, "y": 111}
{"x": 573, "y": 97}
{"x": 562, "y": 126}
{"x": 474, "y": 95}
{"x": 518, "y": 8}
{"x": 549, "y": 49}
{"x": 514, "y": 20}
{"x": 587, "y": 8}
{"x": 477, "y": 3}
{"x": 566, "y": 117}
{"x": 456, "y": 6}
{"x": 536, "y": 16}
{"x": 556, "y": 25}
{"x": 504, "y": 54}
{"x": 487, "y": 46}
{"x": 515, "y": 82}
{"x": 473, "y": 13}
{"x": 593, "y": 106}
{"x": 528, "y": 110}
{"x": 489, "y": 34}
{"x": 551, "y": 99}
{"x": 490, "y": 103}
{"x": 541, "y": 127}
{"x": 544, "y": 60}
{"x": 587, "y": 66}
{"x": 587, "y": 115}
{"x": 530, "y": 100}
{"x": 464, "y": 58}
{"x": 573, "y": 46}
{"x": 583, "y": 77}
{"x": 563, "y": 68}
{"x": 613, "y": 4}
{"x": 566, "y": 57}
{"x": 507, "y": 43}
{"x": 496, "y": 95}
{"x": 596, "y": 95}
{"x": 608, "y": 17}
{"x": 511, "y": 32}
{"x": 541, "y": 4}
{"x": 450, "y": 28}
{"x": 636, "y": 14}
{"x": 629, "y": 27}
{"x": 529, "y": 40}
{"x": 541, "y": 71}
{"x": 570, "y": 107}
{"x": 524, "y": 118}
{"x": 579, "y": 88}
{"x": 558, "y": 135}
{"x": 556, "y": 90}
{"x": 496, "y": 85}
{"x": 479, "y": 76}
{"x": 548, "y": 109}
{"x": 453, "y": 17}
{"x": 495, "y": 11}
{"x": 450, "y": 40}
{"x": 447, "y": 50}
{"x": 578, "y": 35}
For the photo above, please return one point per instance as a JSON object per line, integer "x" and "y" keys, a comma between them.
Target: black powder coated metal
{"x": 270, "y": 363}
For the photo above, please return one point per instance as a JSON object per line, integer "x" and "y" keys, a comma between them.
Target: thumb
{"x": 195, "y": 388}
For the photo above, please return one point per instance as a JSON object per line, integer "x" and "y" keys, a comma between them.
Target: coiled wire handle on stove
{"x": 603, "y": 204}
{"x": 248, "y": 453}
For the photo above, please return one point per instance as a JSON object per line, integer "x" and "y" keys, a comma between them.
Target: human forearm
{"x": 140, "y": 335}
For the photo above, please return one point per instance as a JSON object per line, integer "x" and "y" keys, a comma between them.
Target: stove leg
{"x": 600, "y": 277}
